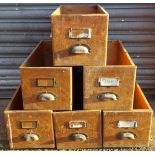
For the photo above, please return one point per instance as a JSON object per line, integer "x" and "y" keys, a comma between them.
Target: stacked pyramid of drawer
{"x": 80, "y": 91}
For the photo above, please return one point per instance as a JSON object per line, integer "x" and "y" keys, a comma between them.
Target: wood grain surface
{"x": 38, "y": 66}
{"x": 142, "y": 114}
{"x": 120, "y": 66}
{"x": 92, "y": 130}
{"x": 67, "y": 17}
{"x": 4, "y": 145}
{"x": 15, "y": 115}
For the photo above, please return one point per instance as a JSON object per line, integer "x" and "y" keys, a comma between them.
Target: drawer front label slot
{"x": 108, "y": 82}
{"x": 127, "y": 124}
{"x": 29, "y": 124}
{"x": 77, "y": 124}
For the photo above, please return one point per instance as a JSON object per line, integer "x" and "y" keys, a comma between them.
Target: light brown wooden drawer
{"x": 110, "y": 87}
{"x": 45, "y": 86}
{"x": 79, "y": 25}
{"x": 28, "y": 129}
{"x": 131, "y": 128}
{"x": 78, "y": 129}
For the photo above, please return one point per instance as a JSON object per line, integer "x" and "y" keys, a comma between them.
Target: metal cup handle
{"x": 30, "y": 137}
{"x": 80, "y": 49}
{"x": 108, "y": 96}
{"x": 46, "y": 97}
{"x": 126, "y": 135}
{"x": 78, "y": 137}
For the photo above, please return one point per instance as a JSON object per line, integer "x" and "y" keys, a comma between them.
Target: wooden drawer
{"x": 110, "y": 87}
{"x": 44, "y": 86}
{"x": 28, "y": 129}
{"x": 131, "y": 128}
{"x": 82, "y": 42}
{"x": 78, "y": 129}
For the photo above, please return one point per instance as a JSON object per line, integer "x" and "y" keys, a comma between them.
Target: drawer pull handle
{"x": 80, "y": 49}
{"x": 78, "y": 137}
{"x": 126, "y": 135}
{"x": 30, "y": 137}
{"x": 46, "y": 97}
{"x": 108, "y": 96}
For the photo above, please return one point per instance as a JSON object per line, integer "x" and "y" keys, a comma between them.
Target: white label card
{"x": 127, "y": 124}
{"x": 108, "y": 82}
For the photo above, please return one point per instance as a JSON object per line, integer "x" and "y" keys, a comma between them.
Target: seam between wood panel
{"x": 10, "y": 131}
{"x": 150, "y": 127}
{"x": 102, "y": 124}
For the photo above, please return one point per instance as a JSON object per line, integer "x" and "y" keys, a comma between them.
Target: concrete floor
{"x": 4, "y": 143}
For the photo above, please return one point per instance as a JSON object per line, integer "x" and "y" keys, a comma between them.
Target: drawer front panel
{"x": 76, "y": 130}
{"x": 109, "y": 88}
{"x": 79, "y": 31}
{"x": 30, "y": 129}
{"x": 127, "y": 129}
{"x": 47, "y": 88}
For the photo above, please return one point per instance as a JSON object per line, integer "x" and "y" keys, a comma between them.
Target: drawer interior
{"x": 16, "y": 101}
{"x": 41, "y": 56}
{"x": 77, "y": 87}
{"x": 140, "y": 101}
{"x": 117, "y": 54}
{"x": 77, "y": 9}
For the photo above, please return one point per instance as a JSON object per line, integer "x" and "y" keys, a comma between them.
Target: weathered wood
{"x": 75, "y": 26}
{"x": 44, "y": 86}
{"x": 142, "y": 114}
{"x": 4, "y": 141}
{"x": 121, "y": 69}
{"x": 20, "y": 122}
{"x": 87, "y": 123}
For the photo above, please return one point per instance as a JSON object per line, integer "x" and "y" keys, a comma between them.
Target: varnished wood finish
{"x": 79, "y": 17}
{"x": 15, "y": 115}
{"x": 120, "y": 66}
{"x": 37, "y": 75}
{"x": 92, "y": 130}
{"x": 142, "y": 114}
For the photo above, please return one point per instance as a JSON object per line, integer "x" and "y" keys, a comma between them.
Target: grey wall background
{"x": 22, "y": 26}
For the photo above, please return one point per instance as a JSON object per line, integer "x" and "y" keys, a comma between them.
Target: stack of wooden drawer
{"x": 81, "y": 92}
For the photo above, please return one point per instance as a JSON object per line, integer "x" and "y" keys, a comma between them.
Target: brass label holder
{"x": 77, "y": 124}
{"x": 29, "y": 124}
{"x": 46, "y": 82}
{"x": 83, "y": 33}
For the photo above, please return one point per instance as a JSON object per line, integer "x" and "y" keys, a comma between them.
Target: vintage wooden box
{"x": 110, "y": 87}
{"x": 45, "y": 86}
{"x": 131, "y": 128}
{"x": 78, "y": 129}
{"x": 28, "y": 128}
{"x": 79, "y": 35}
